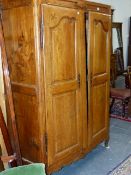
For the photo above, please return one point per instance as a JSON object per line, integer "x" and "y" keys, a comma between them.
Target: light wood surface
{"x": 98, "y": 76}
{"x": 60, "y": 110}
{"x": 63, "y": 91}
{"x": 10, "y": 103}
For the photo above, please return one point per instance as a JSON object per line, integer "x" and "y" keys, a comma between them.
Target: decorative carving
{"x": 70, "y": 20}
{"x": 104, "y": 24}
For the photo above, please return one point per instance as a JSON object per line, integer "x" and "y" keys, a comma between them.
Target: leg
{"x": 107, "y": 143}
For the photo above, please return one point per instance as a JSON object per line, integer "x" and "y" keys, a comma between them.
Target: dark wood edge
{"x": 5, "y": 134}
{"x": 1, "y": 162}
{"x": 116, "y": 25}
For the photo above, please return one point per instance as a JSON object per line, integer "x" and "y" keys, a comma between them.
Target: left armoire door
{"x": 62, "y": 64}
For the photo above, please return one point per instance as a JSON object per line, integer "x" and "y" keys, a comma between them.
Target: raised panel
{"x": 98, "y": 77}
{"x": 99, "y": 103}
{"x": 26, "y": 110}
{"x": 63, "y": 50}
{"x": 19, "y": 38}
{"x": 65, "y": 121}
{"x": 100, "y": 46}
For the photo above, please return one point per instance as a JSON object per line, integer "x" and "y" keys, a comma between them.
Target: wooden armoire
{"x": 59, "y": 60}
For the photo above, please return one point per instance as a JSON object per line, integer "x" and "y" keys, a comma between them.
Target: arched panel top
{"x": 104, "y": 24}
{"x": 55, "y": 18}
{"x": 62, "y": 20}
{"x": 99, "y": 53}
{"x": 63, "y": 50}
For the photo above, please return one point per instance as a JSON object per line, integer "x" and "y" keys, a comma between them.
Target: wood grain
{"x": 23, "y": 56}
{"x": 63, "y": 104}
{"x": 98, "y": 76}
{"x": 10, "y": 101}
{"x": 59, "y": 108}
{"x": 75, "y": 4}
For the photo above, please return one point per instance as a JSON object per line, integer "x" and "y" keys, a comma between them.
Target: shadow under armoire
{"x": 59, "y": 60}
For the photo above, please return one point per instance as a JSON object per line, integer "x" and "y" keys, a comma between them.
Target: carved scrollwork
{"x": 104, "y": 24}
{"x": 57, "y": 21}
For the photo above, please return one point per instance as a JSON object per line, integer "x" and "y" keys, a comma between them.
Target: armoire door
{"x": 63, "y": 31}
{"x": 98, "y": 76}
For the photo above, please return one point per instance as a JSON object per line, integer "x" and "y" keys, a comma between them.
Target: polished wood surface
{"x": 21, "y": 52}
{"x": 6, "y": 4}
{"x": 46, "y": 48}
{"x": 98, "y": 76}
{"x": 113, "y": 70}
{"x": 63, "y": 89}
{"x": 10, "y": 103}
{"x": 119, "y": 51}
{"x": 75, "y": 4}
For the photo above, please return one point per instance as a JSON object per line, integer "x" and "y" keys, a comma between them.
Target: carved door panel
{"x": 62, "y": 61}
{"x": 98, "y": 76}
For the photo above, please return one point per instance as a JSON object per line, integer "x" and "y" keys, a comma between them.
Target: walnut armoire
{"x": 59, "y": 60}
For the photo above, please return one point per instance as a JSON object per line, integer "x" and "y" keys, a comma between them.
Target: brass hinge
{"x": 79, "y": 80}
{"x": 87, "y": 16}
{"x": 0, "y": 14}
{"x": 42, "y": 31}
{"x": 46, "y": 142}
{"x": 91, "y": 78}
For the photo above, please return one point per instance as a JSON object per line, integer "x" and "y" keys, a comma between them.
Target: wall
{"x": 102, "y": 1}
{"x": 121, "y": 14}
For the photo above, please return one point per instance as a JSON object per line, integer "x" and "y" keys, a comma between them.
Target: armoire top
{"x": 78, "y": 4}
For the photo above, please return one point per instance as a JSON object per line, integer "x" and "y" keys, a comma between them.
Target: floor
{"x": 102, "y": 160}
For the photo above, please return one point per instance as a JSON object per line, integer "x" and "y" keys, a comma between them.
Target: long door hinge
{"x": 87, "y": 16}
{"x": 91, "y": 78}
{"x": 46, "y": 143}
{"x": 42, "y": 31}
{"x": 79, "y": 80}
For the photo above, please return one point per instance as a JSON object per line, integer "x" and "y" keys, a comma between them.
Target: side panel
{"x": 19, "y": 32}
{"x": 98, "y": 76}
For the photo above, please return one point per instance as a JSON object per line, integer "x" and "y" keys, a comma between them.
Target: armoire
{"x": 59, "y": 62}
